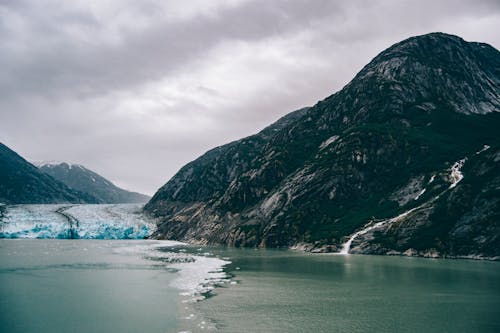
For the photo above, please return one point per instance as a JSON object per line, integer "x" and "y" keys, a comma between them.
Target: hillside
{"x": 385, "y": 149}
{"x": 84, "y": 180}
{"x": 22, "y": 183}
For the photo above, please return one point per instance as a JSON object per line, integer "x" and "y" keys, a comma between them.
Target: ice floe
{"x": 197, "y": 274}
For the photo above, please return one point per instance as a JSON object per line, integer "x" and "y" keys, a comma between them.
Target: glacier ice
{"x": 118, "y": 221}
{"x": 33, "y": 221}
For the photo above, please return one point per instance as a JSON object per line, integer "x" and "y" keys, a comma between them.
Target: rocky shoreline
{"x": 430, "y": 253}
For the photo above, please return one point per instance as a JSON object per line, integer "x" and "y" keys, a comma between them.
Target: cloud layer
{"x": 135, "y": 89}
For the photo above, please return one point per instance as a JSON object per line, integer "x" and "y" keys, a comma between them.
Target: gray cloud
{"x": 136, "y": 89}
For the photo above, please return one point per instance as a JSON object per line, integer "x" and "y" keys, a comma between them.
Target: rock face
{"x": 84, "y": 180}
{"x": 382, "y": 146}
{"x": 22, "y": 183}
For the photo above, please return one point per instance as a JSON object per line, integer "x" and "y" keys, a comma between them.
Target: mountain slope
{"x": 363, "y": 154}
{"x": 22, "y": 183}
{"x": 85, "y": 180}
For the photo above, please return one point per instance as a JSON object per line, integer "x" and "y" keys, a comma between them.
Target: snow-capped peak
{"x": 53, "y": 163}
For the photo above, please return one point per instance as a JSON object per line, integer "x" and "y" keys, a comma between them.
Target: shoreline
{"x": 334, "y": 249}
{"x": 427, "y": 254}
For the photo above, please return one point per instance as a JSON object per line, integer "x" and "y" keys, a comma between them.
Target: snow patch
{"x": 50, "y": 163}
{"x": 54, "y": 163}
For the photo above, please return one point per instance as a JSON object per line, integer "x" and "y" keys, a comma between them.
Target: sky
{"x": 136, "y": 89}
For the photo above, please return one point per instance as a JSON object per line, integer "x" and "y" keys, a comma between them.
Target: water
{"x": 284, "y": 291}
{"x": 103, "y": 286}
{"x": 88, "y": 285}
{"x": 159, "y": 286}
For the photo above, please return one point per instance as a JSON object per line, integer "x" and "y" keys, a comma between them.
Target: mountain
{"x": 84, "y": 180}
{"x": 404, "y": 159}
{"x": 21, "y": 183}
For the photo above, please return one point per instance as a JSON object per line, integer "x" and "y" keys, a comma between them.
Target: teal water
{"x": 148, "y": 286}
{"x": 284, "y": 291}
{"x": 99, "y": 286}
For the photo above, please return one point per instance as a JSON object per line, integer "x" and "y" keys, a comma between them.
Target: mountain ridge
{"x": 80, "y": 178}
{"x": 410, "y": 114}
{"x": 21, "y": 183}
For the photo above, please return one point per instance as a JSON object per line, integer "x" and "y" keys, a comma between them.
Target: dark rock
{"x": 321, "y": 173}
{"x": 22, "y": 183}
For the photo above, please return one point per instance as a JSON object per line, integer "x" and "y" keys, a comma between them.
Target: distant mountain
{"x": 22, "y": 183}
{"x": 82, "y": 179}
{"x": 405, "y": 159}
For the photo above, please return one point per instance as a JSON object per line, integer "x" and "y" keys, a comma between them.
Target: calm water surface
{"x": 82, "y": 286}
{"x": 135, "y": 286}
{"x": 283, "y": 291}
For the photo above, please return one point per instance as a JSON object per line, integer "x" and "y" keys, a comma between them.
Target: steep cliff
{"x": 362, "y": 155}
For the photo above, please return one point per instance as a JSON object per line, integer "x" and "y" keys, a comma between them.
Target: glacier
{"x": 108, "y": 221}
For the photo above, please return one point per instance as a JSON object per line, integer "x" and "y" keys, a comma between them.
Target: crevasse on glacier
{"x": 123, "y": 221}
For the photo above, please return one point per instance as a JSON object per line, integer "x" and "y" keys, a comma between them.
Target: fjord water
{"x": 152, "y": 286}
{"x": 285, "y": 291}
{"x": 101, "y": 286}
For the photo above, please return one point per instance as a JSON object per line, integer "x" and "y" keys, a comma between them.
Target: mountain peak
{"x": 54, "y": 163}
{"x": 384, "y": 149}
{"x": 22, "y": 182}
{"x": 78, "y": 177}
{"x": 439, "y": 68}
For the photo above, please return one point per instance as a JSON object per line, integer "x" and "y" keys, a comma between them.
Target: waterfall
{"x": 456, "y": 177}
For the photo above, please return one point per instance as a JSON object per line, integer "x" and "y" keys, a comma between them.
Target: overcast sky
{"x": 135, "y": 89}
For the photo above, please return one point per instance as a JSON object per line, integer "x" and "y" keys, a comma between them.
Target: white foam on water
{"x": 200, "y": 277}
{"x": 197, "y": 275}
{"x": 149, "y": 249}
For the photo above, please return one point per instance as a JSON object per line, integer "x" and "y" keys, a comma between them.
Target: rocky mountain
{"x": 405, "y": 159}
{"x": 84, "y": 180}
{"x": 21, "y": 183}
